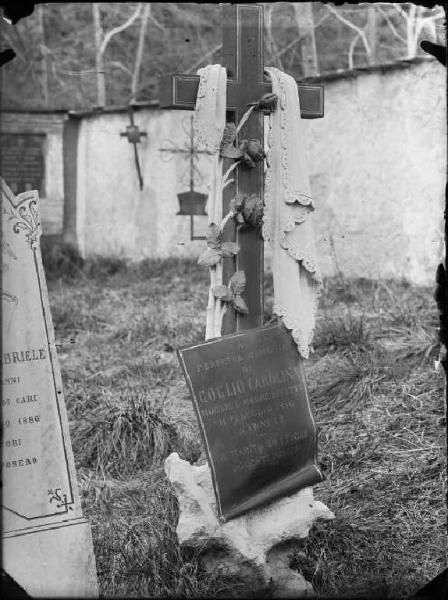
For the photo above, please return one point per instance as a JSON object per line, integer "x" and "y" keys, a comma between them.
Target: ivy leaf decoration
{"x": 209, "y": 258}
{"x": 229, "y": 134}
{"x": 240, "y": 305}
{"x": 255, "y": 150}
{"x": 229, "y": 249}
{"x": 217, "y": 248}
{"x": 236, "y": 206}
{"x": 233, "y": 293}
{"x": 253, "y": 210}
{"x": 231, "y": 151}
{"x": 214, "y": 236}
{"x": 222, "y": 293}
{"x": 247, "y": 209}
{"x": 228, "y": 148}
{"x": 237, "y": 282}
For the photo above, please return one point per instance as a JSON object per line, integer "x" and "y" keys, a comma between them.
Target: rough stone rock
{"x": 252, "y": 545}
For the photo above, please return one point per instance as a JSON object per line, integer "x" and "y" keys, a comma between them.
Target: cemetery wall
{"x": 113, "y": 216}
{"x": 377, "y": 163}
{"x": 46, "y": 131}
{"x": 378, "y": 172}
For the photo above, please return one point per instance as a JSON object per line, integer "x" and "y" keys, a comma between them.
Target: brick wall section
{"x": 50, "y": 124}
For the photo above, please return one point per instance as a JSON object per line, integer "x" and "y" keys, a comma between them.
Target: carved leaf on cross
{"x": 217, "y": 248}
{"x": 248, "y": 152}
{"x": 232, "y": 293}
{"x": 248, "y": 209}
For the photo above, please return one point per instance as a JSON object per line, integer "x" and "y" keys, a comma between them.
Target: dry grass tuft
{"x": 118, "y": 436}
{"x": 377, "y": 400}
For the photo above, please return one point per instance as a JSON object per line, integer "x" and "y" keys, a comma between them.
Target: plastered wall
{"x": 378, "y": 172}
{"x": 115, "y": 217}
{"x": 377, "y": 163}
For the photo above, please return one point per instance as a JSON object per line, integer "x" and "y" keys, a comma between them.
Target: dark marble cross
{"x": 242, "y": 56}
{"x": 134, "y": 134}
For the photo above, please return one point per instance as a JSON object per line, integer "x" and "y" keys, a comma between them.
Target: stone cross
{"x": 242, "y": 56}
{"x": 134, "y": 134}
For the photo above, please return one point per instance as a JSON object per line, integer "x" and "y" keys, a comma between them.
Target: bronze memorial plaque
{"x": 252, "y": 405}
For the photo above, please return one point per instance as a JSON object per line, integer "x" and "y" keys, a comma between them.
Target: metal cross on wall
{"x": 242, "y": 56}
{"x": 134, "y": 134}
{"x": 191, "y": 202}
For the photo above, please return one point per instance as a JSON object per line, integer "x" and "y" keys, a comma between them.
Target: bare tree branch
{"x": 141, "y": 43}
{"x": 156, "y": 22}
{"x": 109, "y": 35}
{"x": 391, "y": 25}
{"x": 358, "y": 30}
{"x": 209, "y": 53}
{"x": 119, "y": 65}
{"x": 270, "y": 38}
{"x": 351, "y": 50}
{"x": 304, "y": 17}
{"x": 302, "y": 37}
{"x": 100, "y": 78}
{"x": 43, "y": 49}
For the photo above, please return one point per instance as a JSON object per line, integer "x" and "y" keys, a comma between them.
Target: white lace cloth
{"x": 209, "y": 122}
{"x": 287, "y": 222}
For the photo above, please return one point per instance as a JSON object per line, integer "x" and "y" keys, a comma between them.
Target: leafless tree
{"x": 101, "y": 41}
{"x": 303, "y": 12}
{"x": 359, "y": 34}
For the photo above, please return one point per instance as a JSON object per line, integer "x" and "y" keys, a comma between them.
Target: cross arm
{"x": 179, "y": 92}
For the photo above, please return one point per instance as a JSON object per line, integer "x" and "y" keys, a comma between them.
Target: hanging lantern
{"x": 192, "y": 203}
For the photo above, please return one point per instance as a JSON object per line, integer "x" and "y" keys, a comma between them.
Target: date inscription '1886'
{"x": 252, "y": 406}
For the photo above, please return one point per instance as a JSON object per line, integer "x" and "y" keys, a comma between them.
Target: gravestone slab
{"x": 47, "y": 544}
{"x": 22, "y": 161}
{"x": 250, "y": 397}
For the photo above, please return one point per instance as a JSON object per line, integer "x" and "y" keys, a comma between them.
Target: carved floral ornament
{"x": 28, "y": 221}
{"x": 22, "y": 212}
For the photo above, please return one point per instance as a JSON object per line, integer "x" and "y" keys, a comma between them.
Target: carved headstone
{"x": 47, "y": 543}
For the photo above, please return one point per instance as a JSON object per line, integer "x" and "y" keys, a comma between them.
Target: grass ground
{"x": 377, "y": 400}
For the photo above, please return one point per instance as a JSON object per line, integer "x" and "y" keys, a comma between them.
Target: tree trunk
{"x": 305, "y": 24}
{"x": 410, "y": 32}
{"x": 371, "y": 34}
{"x": 141, "y": 43}
{"x": 271, "y": 44}
{"x": 40, "y": 24}
{"x": 99, "y": 63}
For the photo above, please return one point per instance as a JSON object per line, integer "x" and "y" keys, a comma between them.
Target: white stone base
{"x": 250, "y": 543}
